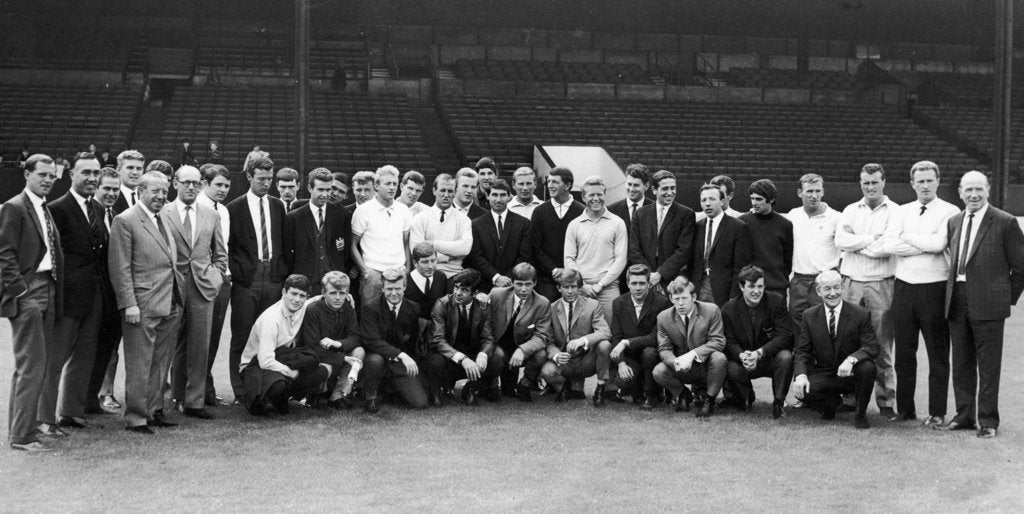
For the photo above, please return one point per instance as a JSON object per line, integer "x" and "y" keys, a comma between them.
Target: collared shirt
{"x": 838, "y": 310}
{"x": 730, "y": 212}
{"x": 864, "y": 257}
{"x": 417, "y": 208}
{"x": 597, "y": 248}
{"x": 524, "y": 210}
{"x": 220, "y": 209}
{"x": 319, "y": 214}
{"x": 420, "y": 280}
{"x": 382, "y": 233}
{"x": 128, "y": 195}
{"x": 716, "y": 223}
{"x": 179, "y": 206}
{"x": 38, "y": 203}
{"x": 814, "y": 240}
{"x": 978, "y": 216}
{"x": 80, "y": 200}
{"x": 452, "y": 239}
{"x": 254, "y": 211}
{"x": 458, "y": 208}
{"x": 630, "y": 210}
{"x": 918, "y": 240}
{"x": 637, "y": 307}
{"x": 274, "y": 328}
{"x": 503, "y": 215}
{"x": 561, "y": 208}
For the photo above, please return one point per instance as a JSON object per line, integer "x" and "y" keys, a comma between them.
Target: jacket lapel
{"x": 309, "y": 218}
{"x": 34, "y": 217}
{"x": 669, "y": 214}
{"x": 170, "y": 217}
{"x": 986, "y": 222}
{"x": 954, "y": 242}
{"x": 150, "y": 227}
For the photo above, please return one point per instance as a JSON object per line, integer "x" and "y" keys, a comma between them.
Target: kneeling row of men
{"x": 316, "y": 349}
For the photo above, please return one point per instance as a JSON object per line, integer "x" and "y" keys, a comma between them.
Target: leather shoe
{"x": 511, "y": 392}
{"x": 888, "y": 413}
{"x": 524, "y": 394}
{"x": 649, "y": 403}
{"x": 110, "y": 403}
{"x": 905, "y": 416}
{"x": 955, "y": 425}
{"x": 573, "y": 394}
{"x": 344, "y": 401}
{"x": 160, "y": 421}
{"x": 682, "y": 403}
{"x": 707, "y": 409}
{"x": 70, "y": 422}
{"x": 933, "y": 421}
{"x": 861, "y": 422}
{"x": 141, "y": 429}
{"x": 434, "y": 400}
{"x": 197, "y": 413}
{"x": 33, "y": 447}
{"x": 371, "y": 406}
{"x": 828, "y": 412}
{"x": 469, "y": 395}
{"x": 214, "y": 401}
{"x": 599, "y": 395}
{"x": 492, "y": 394}
{"x": 619, "y": 397}
{"x": 986, "y": 432}
{"x": 50, "y": 431}
{"x": 778, "y": 409}
{"x": 563, "y": 394}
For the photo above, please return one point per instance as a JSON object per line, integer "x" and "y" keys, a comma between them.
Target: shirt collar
{"x": 202, "y": 199}
{"x": 146, "y": 210}
{"x": 979, "y": 214}
{"x": 34, "y": 198}
{"x": 864, "y": 203}
{"x": 253, "y": 199}
{"x": 630, "y": 203}
{"x": 503, "y": 214}
{"x": 180, "y": 206}
{"x": 556, "y": 205}
{"x": 838, "y": 309}
{"x": 533, "y": 201}
{"x": 79, "y": 199}
{"x": 604, "y": 215}
{"x": 127, "y": 193}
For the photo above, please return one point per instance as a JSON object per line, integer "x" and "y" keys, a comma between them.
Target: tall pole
{"x": 1001, "y": 101}
{"x": 301, "y": 80}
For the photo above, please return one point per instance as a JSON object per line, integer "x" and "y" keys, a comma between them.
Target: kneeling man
{"x": 634, "y": 337}
{"x": 331, "y": 330}
{"x": 521, "y": 319}
{"x": 835, "y": 352}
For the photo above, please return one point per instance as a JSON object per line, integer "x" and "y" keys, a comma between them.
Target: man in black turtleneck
{"x": 771, "y": 236}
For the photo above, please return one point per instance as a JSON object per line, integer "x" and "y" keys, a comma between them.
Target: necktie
{"x": 661, "y": 217}
{"x": 264, "y": 243}
{"x": 463, "y": 316}
{"x": 51, "y": 239}
{"x": 442, "y": 215}
{"x": 515, "y": 313}
{"x": 686, "y": 326}
{"x": 638, "y": 307}
{"x": 134, "y": 200}
{"x": 187, "y": 227}
{"x": 394, "y": 312}
{"x": 632, "y": 213}
{"x": 426, "y": 287}
{"x": 568, "y": 323}
{"x": 90, "y": 215}
{"x": 832, "y": 324}
{"x": 215, "y": 206}
{"x": 288, "y": 206}
{"x": 320, "y": 218}
{"x": 923, "y": 208}
{"x": 110, "y": 217}
{"x": 707, "y": 244}
{"x": 501, "y": 226}
{"x": 160, "y": 227}
{"x": 961, "y": 268}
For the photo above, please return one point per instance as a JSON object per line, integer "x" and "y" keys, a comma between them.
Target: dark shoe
{"x": 563, "y": 394}
{"x": 750, "y": 399}
{"x": 50, "y": 431}
{"x": 599, "y": 395}
{"x": 888, "y": 413}
{"x": 986, "y": 432}
{"x": 214, "y": 401}
{"x": 908, "y": 416}
{"x": 344, "y": 401}
{"x": 933, "y": 421}
{"x": 70, "y": 422}
{"x": 698, "y": 401}
{"x": 707, "y": 409}
{"x": 735, "y": 403}
{"x": 469, "y": 395}
{"x": 828, "y": 412}
{"x": 511, "y": 392}
{"x": 492, "y": 394}
{"x": 861, "y": 422}
{"x": 33, "y": 447}
{"x": 778, "y": 409}
{"x": 160, "y": 421}
{"x": 434, "y": 400}
{"x": 619, "y": 397}
{"x": 844, "y": 408}
{"x": 197, "y": 413}
{"x": 371, "y": 406}
{"x": 141, "y": 429}
{"x": 649, "y": 403}
{"x": 575, "y": 395}
{"x": 524, "y": 394}
{"x": 955, "y": 425}
{"x": 682, "y": 403}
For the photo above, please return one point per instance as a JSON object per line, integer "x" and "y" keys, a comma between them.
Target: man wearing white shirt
{"x": 130, "y": 165}
{"x": 728, "y": 187}
{"x": 524, "y": 182}
{"x": 868, "y": 270}
{"x": 466, "y": 183}
{"x": 447, "y": 229}
{"x": 412, "y": 188}
{"x": 216, "y": 184}
{"x": 101, "y": 382}
{"x": 380, "y": 235}
{"x": 814, "y": 244}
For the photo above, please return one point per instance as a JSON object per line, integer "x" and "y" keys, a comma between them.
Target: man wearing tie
{"x": 317, "y": 235}
{"x": 987, "y": 279}
{"x": 216, "y": 185}
{"x": 202, "y": 262}
{"x": 638, "y": 182}
{"x": 521, "y": 319}
{"x": 254, "y": 257}
{"x": 500, "y": 241}
{"x": 634, "y": 338}
{"x": 31, "y": 271}
{"x": 447, "y": 229}
{"x": 287, "y": 185}
{"x": 148, "y": 285}
{"x": 425, "y": 285}
{"x": 661, "y": 237}
{"x": 109, "y": 337}
{"x": 721, "y": 249}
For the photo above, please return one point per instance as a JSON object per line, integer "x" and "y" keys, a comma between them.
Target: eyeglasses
{"x": 190, "y": 183}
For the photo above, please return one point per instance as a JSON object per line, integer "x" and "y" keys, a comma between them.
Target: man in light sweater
{"x": 447, "y": 229}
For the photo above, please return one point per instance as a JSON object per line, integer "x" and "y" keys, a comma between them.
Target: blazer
{"x": 475, "y": 211}
{"x": 142, "y": 263}
{"x": 383, "y": 336}
{"x": 770, "y": 329}
{"x": 85, "y": 253}
{"x": 207, "y": 258}
{"x": 669, "y": 250}
{"x": 243, "y": 247}
{"x": 302, "y": 202}
{"x": 426, "y": 299}
{"x": 814, "y": 352}
{"x": 587, "y": 321}
{"x": 642, "y": 332}
{"x": 995, "y": 264}
{"x": 445, "y": 317}
{"x": 301, "y": 240}
{"x": 532, "y": 328}
{"x": 121, "y": 204}
{"x": 22, "y": 247}
{"x": 547, "y": 234}
{"x": 493, "y": 254}
{"x": 704, "y": 335}
{"x": 730, "y": 252}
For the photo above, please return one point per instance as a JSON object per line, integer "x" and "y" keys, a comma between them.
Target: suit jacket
{"x": 142, "y": 263}
{"x": 475, "y": 211}
{"x": 85, "y": 253}
{"x": 587, "y": 321}
{"x": 995, "y": 264}
{"x": 243, "y": 247}
{"x": 301, "y": 240}
{"x": 299, "y": 203}
{"x": 383, "y": 336}
{"x": 426, "y": 299}
{"x": 730, "y": 252}
{"x": 494, "y": 254}
{"x": 207, "y": 258}
{"x": 532, "y": 328}
{"x": 445, "y": 317}
{"x": 814, "y": 352}
{"x": 704, "y": 335}
{"x": 770, "y": 328}
{"x": 22, "y": 247}
{"x": 121, "y": 204}
{"x": 547, "y": 234}
{"x": 667, "y": 251}
{"x": 642, "y": 332}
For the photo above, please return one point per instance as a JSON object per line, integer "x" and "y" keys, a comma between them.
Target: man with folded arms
{"x": 447, "y": 229}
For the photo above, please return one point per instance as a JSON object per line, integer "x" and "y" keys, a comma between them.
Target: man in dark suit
{"x": 255, "y": 249}
{"x": 396, "y": 344}
{"x": 547, "y": 230}
{"x": 661, "y": 236}
{"x": 72, "y": 353}
{"x": 31, "y": 271}
{"x": 424, "y": 284}
{"x": 466, "y": 183}
{"x": 721, "y": 249}
{"x": 634, "y": 338}
{"x": 500, "y": 241}
{"x": 287, "y": 184}
{"x": 834, "y": 353}
{"x": 987, "y": 277}
{"x": 521, "y": 320}
{"x": 758, "y": 341}
{"x": 202, "y": 262}
{"x": 463, "y": 342}
{"x": 638, "y": 183}
{"x": 109, "y": 337}
{"x": 578, "y": 347}
{"x": 690, "y": 344}
{"x": 317, "y": 236}
{"x": 142, "y": 260}
{"x": 216, "y": 185}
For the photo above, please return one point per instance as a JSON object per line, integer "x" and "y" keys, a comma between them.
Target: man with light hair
{"x": 130, "y": 166}
{"x": 362, "y": 189}
{"x": 412, "y": 188}
{"x": 380, "y": 234}
{"x": 466, "y": 181}
{"x": 524, "y": 182}
{"x": 814, "y": 244}
{"x": 596, "y": 244}
{"x": 331, "y": 330}
{"x": 447, "y": 229}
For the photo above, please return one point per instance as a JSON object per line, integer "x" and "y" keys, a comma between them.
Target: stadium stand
{"x": 547, "y": 71}
{"x": 814, "y": 79}
{"x": 971, "y": 127}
